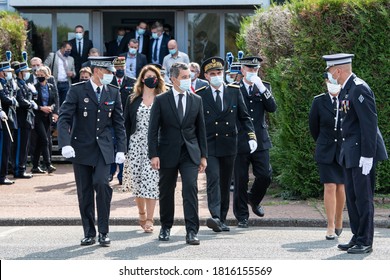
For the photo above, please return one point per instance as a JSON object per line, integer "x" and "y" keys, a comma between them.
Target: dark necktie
{"x": 250, "y": 90}
{"x": 98, "y": 94}
{"x": 155, "y": 50}
{"x": 334, "y": 102}
{"x": 180, "y": 110}
{"x": 80, "y": 51}
{"x": 218, "y": 101}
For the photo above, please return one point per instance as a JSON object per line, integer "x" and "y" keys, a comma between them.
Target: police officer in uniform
{"x": 91, "y": 113}
{"x": 362, "y": 147}
{"x": 8, "y": 90}
{"x": 25, "y": 116}
{"x": 259, "y": 100}
{"x": 224, "y": 108}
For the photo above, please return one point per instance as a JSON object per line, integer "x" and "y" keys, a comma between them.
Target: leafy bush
{"x": 13, "y": 35}
{"x": 295, "y": 68}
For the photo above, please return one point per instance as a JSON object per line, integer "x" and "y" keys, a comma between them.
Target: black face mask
{"x": 151, "y": 82}
{"x": 84, "y": 80}
{"x": 41, "y": 79}
{"x": 120, "y": 73}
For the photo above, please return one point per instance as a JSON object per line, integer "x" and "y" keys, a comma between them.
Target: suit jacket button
{"x": 97, "y": 137}
{"x": 227, "y": 123}
{"x": 335, "y": 140}
{"x": 97, "y": 128}
{"x": 227, "y": 135}
{"x": 98, "y": 110}
{"x": 343, "y": 139}
{"x": 216, "y": 122}
{"x": 98, "y": 120}
{"x": 216, "y": 134}
{"x": 251, "y": 101}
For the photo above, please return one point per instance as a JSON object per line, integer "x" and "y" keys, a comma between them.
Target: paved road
{"x": 130, "y": 243}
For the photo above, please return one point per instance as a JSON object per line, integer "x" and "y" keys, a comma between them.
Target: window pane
{"x": 232, "y": 28}
{"x": 203, "y": 36}
{"x": 66, "y": 23}
{"x": 39, "y": 35}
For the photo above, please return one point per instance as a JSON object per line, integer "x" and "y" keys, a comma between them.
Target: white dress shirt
{"x": 220, "y": 93}
{"x": 183, "y": 100}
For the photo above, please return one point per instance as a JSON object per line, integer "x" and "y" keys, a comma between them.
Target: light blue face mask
{"x": 140, "y": 31}
{"x": 185, "y": 84}
{"x": 331, "y": 79}
{"x": 229, "y": 79}
{"x": 249, "y": 76}
{"x": 8, "y": 76}
{"x": 107, "y": 78}
{"x": 26, "y": 76}
{"x": 132, "y": 51}
{"x": 120, "y": 37}
{"x": 216, "y": 80}
{"x": 172, "y": 52}
{"x": 154, "y": 35}
{"x": 79, "y": 36}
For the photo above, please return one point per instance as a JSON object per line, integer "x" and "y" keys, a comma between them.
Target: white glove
{"x": 32, "y": 88}
{"x": 120, "y": 158}
{"x": 365, "y": 164}
{"x": 34, "y": 105}
{"x": 68, "y": 152}
{"x": 259, "y": 83}
{"x": 15, "y": 102}
{"x": 3, "y": 116}
{"x": 252, "y": 145}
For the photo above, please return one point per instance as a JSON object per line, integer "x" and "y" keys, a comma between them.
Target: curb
{"x": 179, "y": 221}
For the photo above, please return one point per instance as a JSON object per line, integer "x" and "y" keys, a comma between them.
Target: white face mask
{"x": 192, "y": 75}
{"x": 107, "y": 78}
{"x": 8, "y": 76}
{"x": 332, "y": 88}
{"x": 229, "y": 79}
{"x": 216, "y": 80}
{"x": 26, "y": 76}
{"x": 185, "y": 84}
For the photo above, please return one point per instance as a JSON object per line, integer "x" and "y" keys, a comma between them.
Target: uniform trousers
{"x": 5, "y": 152}
{"x": 359, "y": 191}
{"x": 167, "y": 184}
{"x": 262, "y": 172}
{"x": 219, "y": 176}
{"x": 91, "y": 179}
{"x": 20, "y": 150}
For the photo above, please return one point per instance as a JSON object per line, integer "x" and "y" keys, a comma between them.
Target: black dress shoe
{"x": 224, "y": 227}
{"x": 164, "y": 234}
{"x": 257, "y": 209}
{"x": 110, "y": 177}
{"x": 87, "y": 241}
{"x": 24, "y": 175}
{"x": 360, "y": 249}
{"x": 6, "y": 182}
{"x": 120, "y": 182}
{"x": 346, "y": 246}
{"x": 243, "y": 223}
{"x": 37, "y": 170}
{"x": 338, "y": 231}
{"x": 104, "y": 240}
{"x": 51, "y": 169}
{"x": 214, "y": 224}
{"x": 192, "y": 238}
{"x": 330, "y": 237}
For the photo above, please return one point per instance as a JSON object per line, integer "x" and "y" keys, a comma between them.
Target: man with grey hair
{"x": 196, "y": 82}
{"x": 177, "y": 142}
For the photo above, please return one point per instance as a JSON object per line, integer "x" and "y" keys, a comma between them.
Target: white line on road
{"x": 8, "y": 232}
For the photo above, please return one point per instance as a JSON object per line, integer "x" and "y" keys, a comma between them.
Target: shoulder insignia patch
{"x": 361, "y": 98}
{"x": 358, "y": 81}
{"x": 233, "y": 85}
{"x": 201, "y": 88}
{"x": 322, "y": 94}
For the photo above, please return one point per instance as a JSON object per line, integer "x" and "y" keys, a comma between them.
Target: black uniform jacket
{"x": 221, "y": 127}
{"x": 91, "y": 124}
{"x": 24, "y": 112}
{"x": 167, "y": 135}
{"x": 258, "y": 104}
{"x": 322, "y": 124}
{"x": 8, "y": 91}
{"x": 360, "y": 132}
{"x": 125, "y": 89}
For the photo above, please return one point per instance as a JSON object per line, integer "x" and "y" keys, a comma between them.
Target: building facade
{"x": 51, "y": 22}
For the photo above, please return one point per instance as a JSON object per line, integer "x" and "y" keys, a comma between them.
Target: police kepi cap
{"x": 213, "y": 63}
{"x": 337, "y": 59}
{"x": 20, "y": 66}
{"x": 5, "y": 66}
{"x": 235, "y": 68}
{"x": 120, "y": 61}
{"x": 251, "y": 61}
{"x": 106, "y": 62}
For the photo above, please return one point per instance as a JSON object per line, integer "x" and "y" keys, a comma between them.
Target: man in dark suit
{"x": 223, "y": 108}
{"x": 158, "y": 44}
{"x": 204, "y": 47}
{"x": 196, "y": 83}
{"x": 259, "y": 100}
{"x": 361, "y": 149}
{"x": 141, "y": 34}
{"x": 177, "y": 142}
{"x": 135, "y": 61}
{"x": 113, "y": 47}
{"x": 91, "y": 114}
{"x": 80, "y": 49}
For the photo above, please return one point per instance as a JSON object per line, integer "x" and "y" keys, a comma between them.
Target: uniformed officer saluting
{"x": 362, "y": 147}
{"x": 223, "y": 107}
{"x": 259, "y": 100}
{"x": 92, "y": 111}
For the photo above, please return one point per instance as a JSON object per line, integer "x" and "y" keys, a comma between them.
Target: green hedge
{"x": 13, "y": 35}
{"x": 315, "y": 28}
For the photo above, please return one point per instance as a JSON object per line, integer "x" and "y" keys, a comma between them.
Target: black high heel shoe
{"x": 338, "y": 231}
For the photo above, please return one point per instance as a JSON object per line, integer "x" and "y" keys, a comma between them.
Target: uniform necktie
{"x": 334, "y": 102}
{"x": 218, "y": 101}
{"x": 80, "y": 51}
{"x": 180, "y": 110}
{"x": 98, "y": 94}
{"x": 155, "y": 50}
{"x": 119, "y": 82}
{"x": 250, "y": 90}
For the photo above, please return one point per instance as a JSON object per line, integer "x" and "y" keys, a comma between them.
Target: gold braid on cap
{"x": 252, "y": 136}
{"x": 213, "y": 64}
